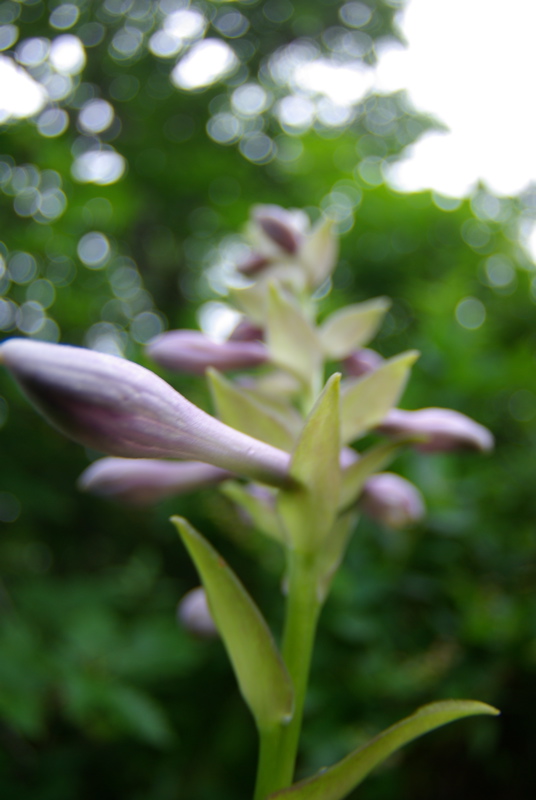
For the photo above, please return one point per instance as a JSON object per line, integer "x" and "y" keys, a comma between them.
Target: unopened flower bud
{"x": 360, "y": 362}
{"x": 246, "y": 331}
{"x": 253, "y": 263}
{"x": 441, "y": 428}
{"x": 194, "y": 614}
{"x": 392, "y": 500}
{"x": 144, "y": 481}
{"x": 122, "y": 409}
{"x": 284, "y": 228}
{"x": 192, "y": 351}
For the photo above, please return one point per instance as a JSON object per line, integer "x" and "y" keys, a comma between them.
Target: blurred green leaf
{"x": 338, "y": 781}
{"x": 258, "y": 667}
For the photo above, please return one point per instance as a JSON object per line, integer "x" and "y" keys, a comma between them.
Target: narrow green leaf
{"x": 319, "y": 252}
{"x": 262, "y": 510}
{"x": 308, "y": 508}
{"x": 338, "y": 781}
{"x": 365, "y": 401}
{"x": 291, "y": 340}
{"x": 372, "y": 460}
{"x": 259, "y": 669}
{"x": 352, "y": 327}
{"x": 241, "y": 411}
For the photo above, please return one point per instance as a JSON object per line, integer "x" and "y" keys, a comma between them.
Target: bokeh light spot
{"x": 67, "y": 54}
{"x": 8, "y": 36}
{"x": 470, "y": 313}
{"x": 52, "y": 122}
{"x": 94, "y": 250}
{"x": 22, "y": 267}
{"x": 64, "y": 17}
{"x": 224, "y": 128}
{"x": 95, "y": 116}
{"x": 204, "y": 64}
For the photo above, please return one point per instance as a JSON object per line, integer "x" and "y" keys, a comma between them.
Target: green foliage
{"x": 445, "y": 610}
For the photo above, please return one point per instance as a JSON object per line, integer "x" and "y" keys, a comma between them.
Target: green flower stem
{"x": 303, "y": 608}
{"x": 267, "y": 768}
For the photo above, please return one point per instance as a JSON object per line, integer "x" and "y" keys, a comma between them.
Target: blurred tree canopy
{"x": 131, "y": 148}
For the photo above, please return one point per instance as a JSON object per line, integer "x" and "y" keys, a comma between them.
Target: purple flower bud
{"x": 122, "y": 409}
{"x": 360, "y": 362}
{"x": 144, "y": 481}
{"x": 246, "y": 331}
{"x": 442, "y": 428}
{"x": 194, "y": 614}
{"x": 392, "y": 500}
{"x": 283, "y": 227}
{"x": 253, "y": 263}
{"x": 192, "y": 351}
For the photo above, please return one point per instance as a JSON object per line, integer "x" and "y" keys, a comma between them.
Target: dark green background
{"x": 101, "y": 693}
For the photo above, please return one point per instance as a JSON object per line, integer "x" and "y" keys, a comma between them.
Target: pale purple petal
{"x": 392, "y": 500}
{"x": 442, "y": 428}
{"x": 144, "y": 481}
{"x": 122, "y": 409}
{"x": 192, "y": 351}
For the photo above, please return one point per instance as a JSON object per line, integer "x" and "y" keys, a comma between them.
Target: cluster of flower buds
{"x": 130, "y": 414}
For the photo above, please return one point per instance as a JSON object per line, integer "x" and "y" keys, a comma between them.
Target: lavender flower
{"x": 144, "y": 481}
{"x": 192, "y": 351}
{"x": 122, "y": 409}
{"x": 441, "y": 428}
{"x": 392, "y": 500}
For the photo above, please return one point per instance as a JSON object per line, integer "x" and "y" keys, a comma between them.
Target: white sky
{"x": 471, "y": 63}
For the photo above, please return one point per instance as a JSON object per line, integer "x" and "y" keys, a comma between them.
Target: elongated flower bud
{"x": 144, "y": 481}
{"x": 442, "y": 428}
{"x": 392, "y": 500}
{"x": 194, "y": 614}
{"x": 192, "y": 351}
{"x": 124, "y": 410}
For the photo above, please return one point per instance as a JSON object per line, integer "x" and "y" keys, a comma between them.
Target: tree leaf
{"x": 352, "y": 327}
{"x": 241, "y": 411}
{"x": 365, "y": 401}
{"x": 338, "y": 781}
{"x": 308, "y": 508}
{"x": 259, "y": 669}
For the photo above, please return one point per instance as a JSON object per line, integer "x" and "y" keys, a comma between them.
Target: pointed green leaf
{"x": 352, "y": 327}
{"x": 290, "y": 337}
{"x": 259, "y": 669}
{"x": 262, "y": 512}
{"x": 372, "y": 460}
{"x": 365, "y": 401}
{"x": 319, "y": 252}
{"x": 308, "y": 509}
{"x": 338, "y": 781}
{"x": 241, "y": 411}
